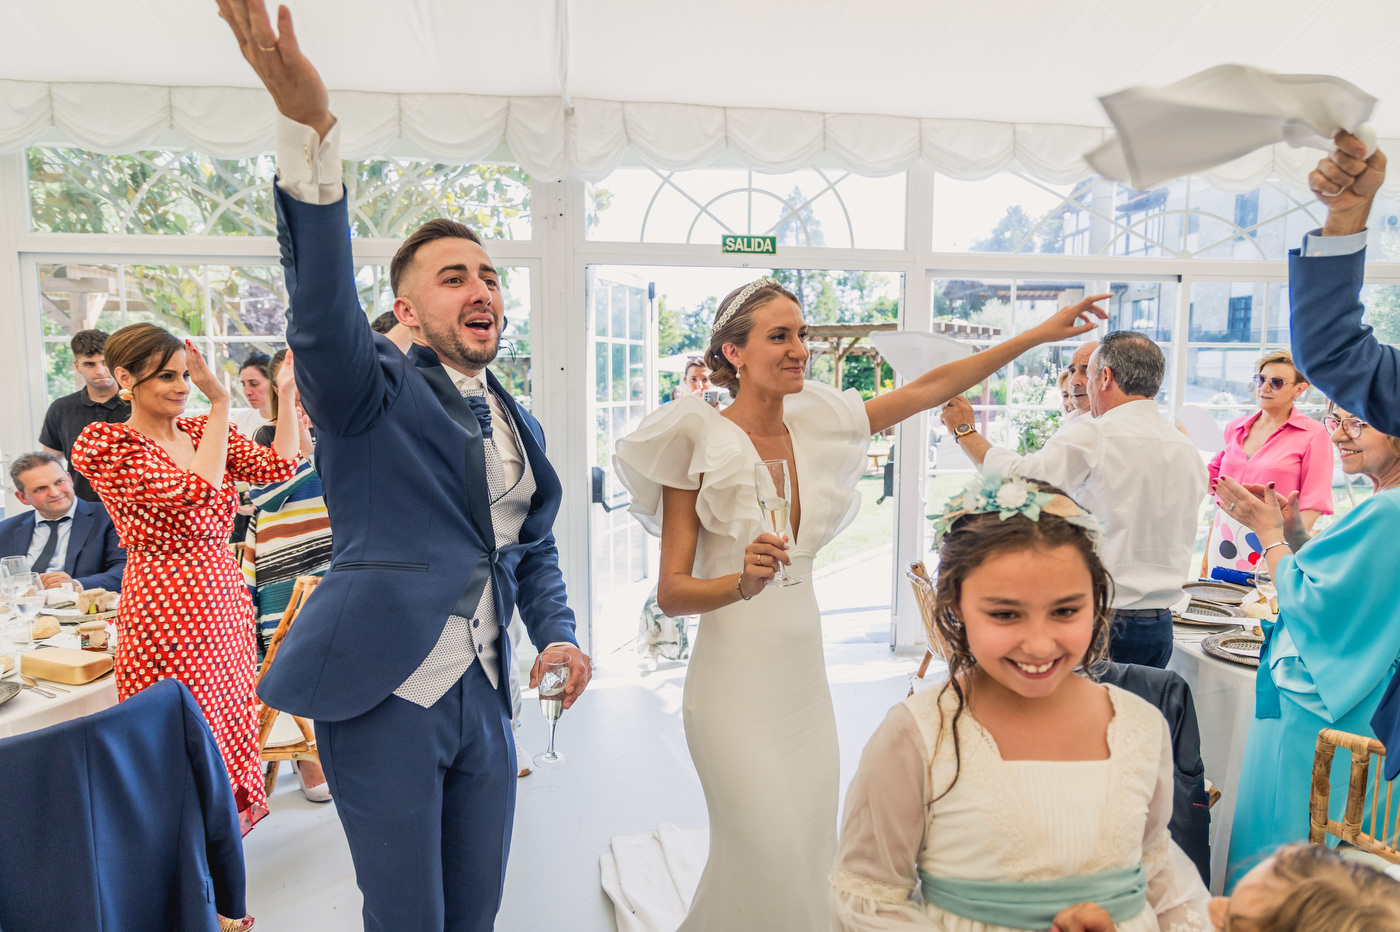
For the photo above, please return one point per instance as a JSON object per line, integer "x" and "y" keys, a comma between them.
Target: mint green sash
{"x": 1032, "y": 905}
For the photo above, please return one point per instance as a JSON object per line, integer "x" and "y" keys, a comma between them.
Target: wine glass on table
{"x": 554, "y": 676}
{"x": 774, "y": 490}
{"x": 27, "y": 598}
{"x": 13, "y": 566}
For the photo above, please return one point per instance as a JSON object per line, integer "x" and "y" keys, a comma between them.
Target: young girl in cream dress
{"x": 1021, "y": 794}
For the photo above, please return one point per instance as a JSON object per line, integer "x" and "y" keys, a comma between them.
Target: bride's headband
{"x": 740, "y": 298}
{"x": 1006, "y": 497}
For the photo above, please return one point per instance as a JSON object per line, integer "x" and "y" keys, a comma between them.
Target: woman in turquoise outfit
{"x": 1336, "y": 643}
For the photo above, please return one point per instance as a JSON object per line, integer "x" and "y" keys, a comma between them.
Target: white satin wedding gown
{"x": 757, "y": 707}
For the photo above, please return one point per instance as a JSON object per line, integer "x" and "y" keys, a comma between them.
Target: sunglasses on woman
{"x": 1352, "y": 425}
{"x": 1276, "y": 382}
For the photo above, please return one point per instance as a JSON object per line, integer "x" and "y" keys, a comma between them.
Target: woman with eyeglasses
{"x": 1329, "y": 657}
{"x": 1278, "y": 444}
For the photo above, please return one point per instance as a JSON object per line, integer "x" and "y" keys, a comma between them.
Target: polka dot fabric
{"x": 185, "y": 611}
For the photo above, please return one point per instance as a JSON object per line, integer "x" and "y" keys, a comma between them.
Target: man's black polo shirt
{"x": 65, "y": 420}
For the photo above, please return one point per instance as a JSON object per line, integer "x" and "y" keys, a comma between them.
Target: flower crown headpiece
{"x": 1006, "y": 497}
{"x": 740, "y": 298}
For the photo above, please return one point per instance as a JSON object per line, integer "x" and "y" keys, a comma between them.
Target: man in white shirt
{"x": 1133, "y": 471}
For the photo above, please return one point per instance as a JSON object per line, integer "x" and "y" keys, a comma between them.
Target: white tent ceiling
{"x": 988, "y": 82}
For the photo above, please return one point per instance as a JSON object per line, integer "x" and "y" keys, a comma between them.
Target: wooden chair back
{"x": 1370, "y": 827}
{"x": 290, "y": 749}
{"x": 928, "y": 600}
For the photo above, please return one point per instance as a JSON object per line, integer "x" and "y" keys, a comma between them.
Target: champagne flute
{"x": 1264, "y": 585}
{"x": 554, "y": 676}
{"x": 775, "y": 500}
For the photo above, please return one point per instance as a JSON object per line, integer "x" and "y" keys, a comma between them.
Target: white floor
{"x": 628, "y": 770}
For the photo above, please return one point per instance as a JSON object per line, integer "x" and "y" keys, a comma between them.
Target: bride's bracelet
{"x": 739, "y": 587}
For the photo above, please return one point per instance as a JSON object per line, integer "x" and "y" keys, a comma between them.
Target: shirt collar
{"x": 1141, "y": 406}
{"x": 88, "y": 400}
{"x": 1295, "y": 419}
{"x": 464, "y": 381}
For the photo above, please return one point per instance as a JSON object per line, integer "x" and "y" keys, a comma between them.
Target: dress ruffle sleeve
{"x": 677, "y": 446}
{"x": 256, "y": 464}
{"x": 124, "y": 466}
{"x": 834, "y": 433}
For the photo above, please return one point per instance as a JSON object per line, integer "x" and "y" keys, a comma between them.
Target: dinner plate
{"x": 64, "y": 613}
{"x": 1199, "y": 612}
{"x": 1224, "y": 593}
{"x": 1236, "y": 648}
{"x": 8, "y": 690}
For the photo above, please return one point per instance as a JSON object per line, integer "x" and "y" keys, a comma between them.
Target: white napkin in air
{"x": 1220, "y": 114}
{"x": 911, "y": 353}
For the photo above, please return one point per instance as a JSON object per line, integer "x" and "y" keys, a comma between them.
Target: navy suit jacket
{"x": 96, "y": 558}
{"x": 1333, "y": 348}
{"x": 122, "y": 820}
{"x": 1342, "y": 357}
{"x": 402, "y": 464}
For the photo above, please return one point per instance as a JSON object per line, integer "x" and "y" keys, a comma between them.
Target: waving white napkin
{"x": 1220, "y": 114}
{"x": 913, "y": 352}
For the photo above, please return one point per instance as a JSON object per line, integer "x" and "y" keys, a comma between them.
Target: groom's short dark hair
{"x": 432, "y": 230}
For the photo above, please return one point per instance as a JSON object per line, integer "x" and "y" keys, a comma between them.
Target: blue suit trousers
{"x": 427, "y": 800}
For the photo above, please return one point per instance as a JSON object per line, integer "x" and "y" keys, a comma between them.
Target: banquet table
{"x": 30, "y": 711}
{"x": 1224, "y": 697}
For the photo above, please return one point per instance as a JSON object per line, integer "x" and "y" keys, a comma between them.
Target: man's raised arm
{"x": 338, "y": 371}
{"x": 1332, "y": 347}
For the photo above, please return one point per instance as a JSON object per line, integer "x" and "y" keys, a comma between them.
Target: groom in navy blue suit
{"x": 442, "y": 503}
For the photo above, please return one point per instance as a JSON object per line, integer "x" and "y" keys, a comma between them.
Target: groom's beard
{"x": 447, "y": 342}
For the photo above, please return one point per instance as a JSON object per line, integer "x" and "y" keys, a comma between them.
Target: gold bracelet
{"x": 739, "y": 587}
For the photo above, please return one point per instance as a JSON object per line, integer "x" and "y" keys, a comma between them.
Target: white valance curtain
{"x": 589, "y": 142}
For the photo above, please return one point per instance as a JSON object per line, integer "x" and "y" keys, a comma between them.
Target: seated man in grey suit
{"x": 64, "y": 539}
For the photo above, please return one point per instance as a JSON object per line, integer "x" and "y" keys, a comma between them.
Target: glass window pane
{"x": 170, "y": 296}
{"x": 1382, "y": 311}
{"x": 619, "y": 372}
{"x": 1220, "y": 376}
{"x": 815, "y": 207}
{"x": 1236, "y": 312}
{"x": 248, "y": 301}
{"x": 80, "y": 297}
{"x": 179, "y": 192}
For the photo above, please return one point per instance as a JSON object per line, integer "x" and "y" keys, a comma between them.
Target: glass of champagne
{"x": 775, "y": 500}
{"x": 554, "y": 676}
{"x": 1264, "y": 585}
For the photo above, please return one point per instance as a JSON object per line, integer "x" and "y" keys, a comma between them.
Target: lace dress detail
{"x": 1006, "y": 821}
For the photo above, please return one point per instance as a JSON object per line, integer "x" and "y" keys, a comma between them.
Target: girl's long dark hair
{"x": 970, "y": 542}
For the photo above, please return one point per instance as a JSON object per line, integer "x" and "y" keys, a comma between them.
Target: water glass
{"x": 15, "y": 565}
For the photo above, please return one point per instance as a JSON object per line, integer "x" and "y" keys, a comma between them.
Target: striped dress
{"x": 289, "y": 536}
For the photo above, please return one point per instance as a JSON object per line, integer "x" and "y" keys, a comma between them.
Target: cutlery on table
{"x": 32, "y": 681}
{"x": 38, "y": 689}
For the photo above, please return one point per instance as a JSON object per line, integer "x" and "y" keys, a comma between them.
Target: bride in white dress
{"x": 757, "y": 707}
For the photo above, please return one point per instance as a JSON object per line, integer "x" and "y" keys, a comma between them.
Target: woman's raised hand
{"x": 288, "y": 75}
{"x": 761, "y": 559}
{"x": 1069, "y": 322}
{"x": 286, "y": 379}
{"x": 1260, "y": 513}
{"x": 202, "y": 377}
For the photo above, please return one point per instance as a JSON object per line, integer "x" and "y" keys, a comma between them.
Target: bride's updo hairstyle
{"x": 971, "y": 541}
{"x": 733, "y": 324}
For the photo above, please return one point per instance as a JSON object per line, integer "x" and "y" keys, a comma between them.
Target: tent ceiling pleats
{"x": 971, "y": 88}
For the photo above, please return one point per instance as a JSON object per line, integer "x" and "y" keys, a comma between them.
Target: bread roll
{"x": 45, "y": 626}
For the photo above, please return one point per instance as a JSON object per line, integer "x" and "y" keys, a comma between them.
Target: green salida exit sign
{"x": 759, "y": 245}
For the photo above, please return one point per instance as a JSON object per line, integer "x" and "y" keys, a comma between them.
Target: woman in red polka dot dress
{"x": 168, "y": 483}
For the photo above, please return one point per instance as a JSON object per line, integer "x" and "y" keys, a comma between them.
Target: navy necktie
{"x": 495, "y": 472}
{"x": 41, "y": 564}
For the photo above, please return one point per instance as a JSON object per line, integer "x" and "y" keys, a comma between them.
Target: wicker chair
{"x": 928, "y": 600}
{"x": 1368, "y": 833}
{"x": 278, "y": 738}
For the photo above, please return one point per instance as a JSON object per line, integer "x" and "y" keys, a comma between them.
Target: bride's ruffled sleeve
{"x": 676, "y": 446}
{"x": 1174, "y": 889}
{"x": 875, "y": 875}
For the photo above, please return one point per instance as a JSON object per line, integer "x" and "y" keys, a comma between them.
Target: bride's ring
{"x": 270, "y": 48}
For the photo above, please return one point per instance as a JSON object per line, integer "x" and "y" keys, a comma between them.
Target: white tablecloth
{"x": 1224, "y": 696}
{"x": 30, "y": 711}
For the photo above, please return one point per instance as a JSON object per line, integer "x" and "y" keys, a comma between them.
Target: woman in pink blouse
{"x": 1277, "y": 444}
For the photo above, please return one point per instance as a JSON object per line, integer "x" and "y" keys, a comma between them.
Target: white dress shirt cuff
{"x": 308, "y": 167}
{"x": 1315, "y": 245}
{"x": 560, "y": 644}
